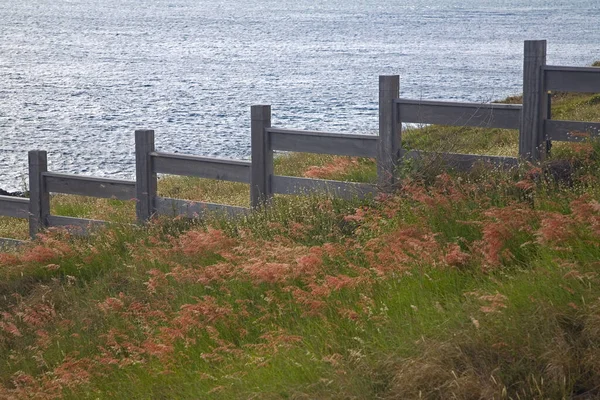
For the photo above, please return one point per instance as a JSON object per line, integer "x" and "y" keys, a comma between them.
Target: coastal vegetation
{"x": 456, "y": 286}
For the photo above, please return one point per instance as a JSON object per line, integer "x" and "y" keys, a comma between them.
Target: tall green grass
{"x": 458, "y": 286}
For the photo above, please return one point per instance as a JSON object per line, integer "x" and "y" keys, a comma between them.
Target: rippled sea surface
{"x": 77, "y": 77}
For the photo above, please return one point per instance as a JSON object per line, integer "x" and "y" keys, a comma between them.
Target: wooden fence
{"x": 149, "y": 163}
{"x": 538, "y": 130}
{"x": 266, "y": 140}
{"x": 505, "y": 116}
{"x": 42, "y": 183}
{"x": 533, "y": 120}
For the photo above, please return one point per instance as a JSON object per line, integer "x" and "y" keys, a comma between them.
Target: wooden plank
{"x": 532, "y": 142}
{"x": 572, "y": 79}
{"x": 294, "y": 185}
{"x": 145, "y": 177}
{"x": 17, "y": 207}
{"x": 202, "y": 167}
{"x": 323, "y": 142}
{"x": 76, "y": 226}
{"x": 8, "y": 244}
{"x": 548, "y": 116}
{"x": 194, "y": 209}
{"x": 262, "y": 155}
{"x": 39, "y": 198}
{"x": 388, "y": 145}
{"x": 89, "y": 186}
{"x": 492, "y": 115}
{"x": 571, "y": 131}
{"x": 462, "y": 162}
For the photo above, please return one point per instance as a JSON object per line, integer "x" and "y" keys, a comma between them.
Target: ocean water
{"x": 77, "y": 77}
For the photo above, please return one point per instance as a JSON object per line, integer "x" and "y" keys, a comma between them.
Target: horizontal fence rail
{"x": 293, "y": 185}
{"x": 201, "y": 167}
{"x": 6, "y": 243}
{"x": 194, "y": 209}
{"x": 78, "y": 226}
{"x": 571, "y": 131}
{"x": 572, "y": 79}
{"x": 493, "y": 115}
{"x": 323, "y": 142}
{"x": 17, "y": 207}
{"x": 462, "y": 162}
{"x": 89, "y": 186}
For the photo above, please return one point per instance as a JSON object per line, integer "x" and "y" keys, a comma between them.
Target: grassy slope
{"x": 479, "y": 286}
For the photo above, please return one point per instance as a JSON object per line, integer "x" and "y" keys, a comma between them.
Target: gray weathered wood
{"x": 571, "y": 131}
{"x": 572, "y": 79}
{"x": 203, "y": 167}
{"x": 76, "y": 226}
{"x": 262, "y": 156}
{"x": 548, "y": 116}
{"x": 294, "y": 185}
{"x": 145, "y": 177}
{"x": 89, "y": 186}
{"x": 388, "y": 144}
{"x": 323, "y": 142}
{"x": 462, "y": 162}
{"x": 194, "y": 209}
{"x": 39, "y": 198}
{"x": 7, "y": 244}
{"x": 532, "y": 141}
{"x": 485, "y": 115}
{"x": 17, "y": 207}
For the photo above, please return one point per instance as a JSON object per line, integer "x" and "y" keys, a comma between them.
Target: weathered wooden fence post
{"x": 262, "y": 156}
{"x": 388, "y": 146}
{"x": 39, "y": 198}
{"x": 532, "y": 140}
{"x": 145, "y": 177}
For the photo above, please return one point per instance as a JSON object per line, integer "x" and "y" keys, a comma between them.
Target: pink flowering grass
{"x": 455, "y": 286}
{"x": 314, "y": 298}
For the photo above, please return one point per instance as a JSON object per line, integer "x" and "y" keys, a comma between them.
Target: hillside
{"x": 457, "y": 286}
